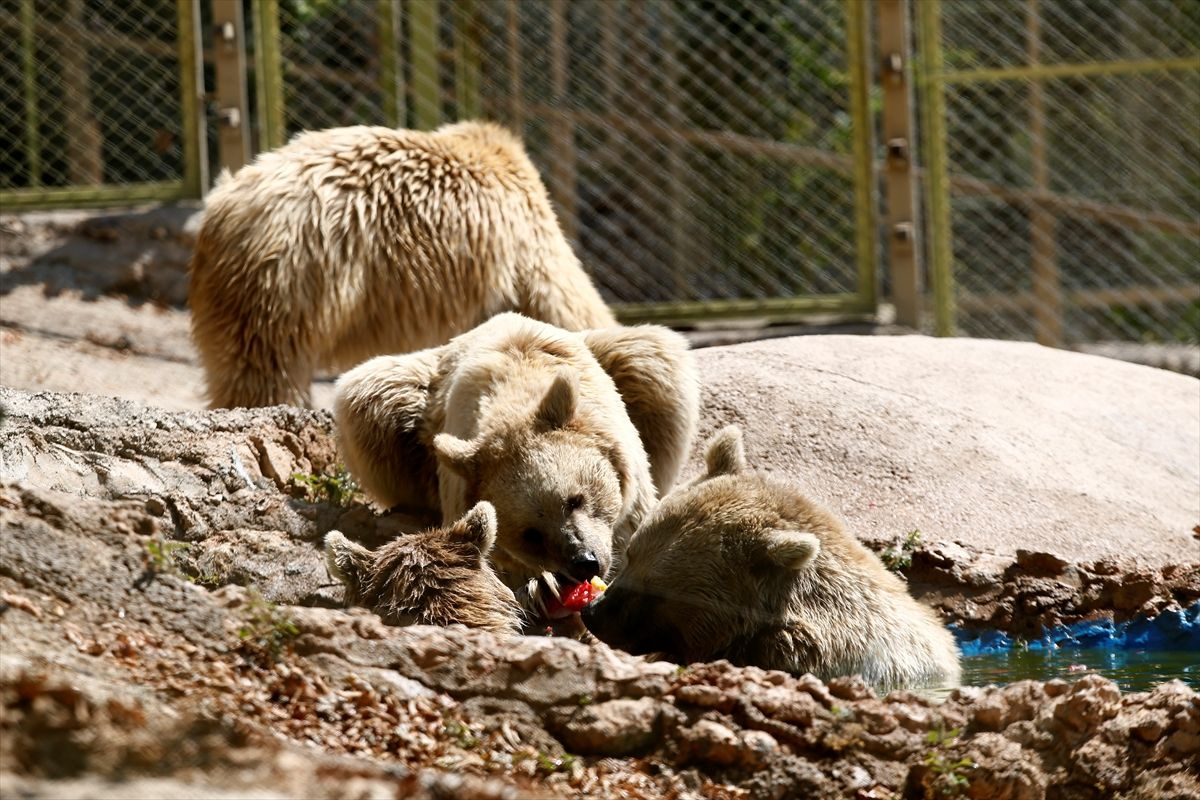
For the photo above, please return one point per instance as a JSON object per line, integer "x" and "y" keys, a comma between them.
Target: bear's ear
{"x": 725, "y": 454}
{"x": 793, "y": 550}
{"x": 456, "y": 454}
{"x": 347, "y": 562}
{"x": 477, "y": 527}
{"x": 558, "y": 406}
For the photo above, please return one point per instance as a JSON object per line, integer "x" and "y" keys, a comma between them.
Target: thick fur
{"x": 353, "y": 242}
{"x": 656, "y": 376}
{"x": 524, "y": 415}
{"x": 740, "y": 567}
{"x": 438, "y": 577}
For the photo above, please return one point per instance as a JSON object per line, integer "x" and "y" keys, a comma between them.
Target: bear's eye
{"x": 574, "y": 502}
{"x": 532, "y": 536}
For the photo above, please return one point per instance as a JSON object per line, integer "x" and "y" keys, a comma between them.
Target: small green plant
{"x": 585, "y": 699}
{"x": 897, "y": 557}
{"x": 460, "y": 733}
{"x": 158, "y": 559}
{"x": 942, "y": 736}
{"x": 950, "y": 778}
{"x": 161, "y": 555}
{"x": 210, "y": 579}
{"x": 548, "y": 765}
{"x": 266, "y": 628}
{"x": 338, "y": 489}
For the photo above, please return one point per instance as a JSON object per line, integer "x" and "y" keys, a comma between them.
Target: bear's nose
{"x": 584, "y": 566}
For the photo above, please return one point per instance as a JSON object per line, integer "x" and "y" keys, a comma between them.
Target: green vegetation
{"x": 338, "y": 488}
{"x": 897, "y": 557}
{"x": 950, "y": 778}
{"x": 952, "y": 781}
{"x": 210, "y": 579}
{"x": 549, "y": 764}
{"x": 460, "y": 733}
{"x": 266, "y": 629}
{"x": 158, "y": 559}
{"x": 942, "y": 736}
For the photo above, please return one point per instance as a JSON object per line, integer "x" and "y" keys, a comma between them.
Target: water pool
{"x": 1136, "y": 655}
{"x": 1132, "y": 670}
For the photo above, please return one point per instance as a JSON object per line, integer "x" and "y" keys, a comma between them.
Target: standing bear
{"x": 353, "y": 242}
{"x": 569, "y": 435}
{"x": 741, "y": 567}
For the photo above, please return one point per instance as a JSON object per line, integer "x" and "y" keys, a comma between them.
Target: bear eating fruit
{"x": 528, "y": 417}
{"x": 741, "y": 567}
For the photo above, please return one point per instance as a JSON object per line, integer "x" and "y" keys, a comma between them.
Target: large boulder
{"x": 1003, "y": 446}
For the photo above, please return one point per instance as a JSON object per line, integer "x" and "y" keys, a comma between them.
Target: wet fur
{"x": 738, "y": 566}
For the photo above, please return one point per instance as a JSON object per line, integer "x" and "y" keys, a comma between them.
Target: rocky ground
{"x": 169, "y": 626}
{"x": 169, "y": 629}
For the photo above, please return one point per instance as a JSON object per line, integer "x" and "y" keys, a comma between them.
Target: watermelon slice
{"x": 574, "y": 598}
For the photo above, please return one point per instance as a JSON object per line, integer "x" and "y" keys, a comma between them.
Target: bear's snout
{"x": 593, "y": 617}
{"x": 586, "y": 548}
{"x": 606, "y": 619}
{"x": 584, "y": 566}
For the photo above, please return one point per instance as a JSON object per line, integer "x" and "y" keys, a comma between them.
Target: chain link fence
{"x": 93, "y": 100}
{"x": 697, "y": 153}
{"x": 707, "y": 158}
{"x": 1073, "y": 140}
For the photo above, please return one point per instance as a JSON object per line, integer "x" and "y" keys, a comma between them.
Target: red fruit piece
{"x": 578, "y": 597}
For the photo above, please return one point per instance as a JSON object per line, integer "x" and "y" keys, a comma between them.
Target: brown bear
{"x": 524, "y": 415}
{"x": 438, "y": 577}
{"x": 741, "y": 567}
{"x": 353, "y": 242}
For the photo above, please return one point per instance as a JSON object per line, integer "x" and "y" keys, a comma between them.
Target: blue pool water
{"x": 1137, "y": 654}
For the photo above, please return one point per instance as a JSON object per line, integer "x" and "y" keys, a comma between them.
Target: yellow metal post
{"x": 1047, "y": 289}
{"x": 864, "y": 162}
{"x": 1087, "y": 69}
{"x": 562, "y": 129}
{"x": 191, "y": 98}
{"x": 390, "y": 67}
{"x": 516, "y": 107}
{"x": 268, "y": 73}
{"x": 423, "y": 55}
{"x": 466, "y": 60}
{"x": 937, "y": 183}
{"x": 33, "y": 140}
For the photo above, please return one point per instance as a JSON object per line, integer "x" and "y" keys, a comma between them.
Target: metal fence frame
{"x": 423, "y": 60}
{"x": 1046, "y": 298}
{"x": 195, "y": 161}
{"x": 886, "y": 69}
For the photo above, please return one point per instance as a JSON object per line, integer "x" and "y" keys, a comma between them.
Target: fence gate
{"x": 707, "y": 159}
{"x": 1063, "y": 150}
{"x": 101, "y": 101}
